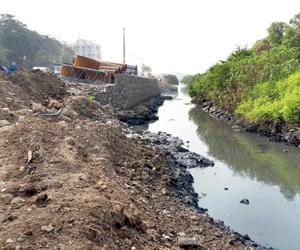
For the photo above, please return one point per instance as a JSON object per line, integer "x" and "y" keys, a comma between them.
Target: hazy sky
{"x": 170, "y": 36}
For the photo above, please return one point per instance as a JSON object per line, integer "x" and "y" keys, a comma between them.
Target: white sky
{"x": 168, "y": 35}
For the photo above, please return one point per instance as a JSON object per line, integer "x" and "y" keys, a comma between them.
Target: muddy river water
{"x": 249, "y": 166}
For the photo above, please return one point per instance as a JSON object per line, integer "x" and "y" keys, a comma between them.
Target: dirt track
{"x": 75, "y": 181}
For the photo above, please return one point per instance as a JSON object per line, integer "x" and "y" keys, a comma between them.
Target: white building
{"x": 87, "y": 48}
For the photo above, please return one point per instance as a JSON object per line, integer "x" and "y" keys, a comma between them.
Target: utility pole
{"x": 124, "y": 45}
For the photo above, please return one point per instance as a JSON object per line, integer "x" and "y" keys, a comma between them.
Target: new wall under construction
{"x": 128, "y": 91}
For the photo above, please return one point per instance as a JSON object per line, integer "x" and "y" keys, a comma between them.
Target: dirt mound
{"x": 32, "y": 90}
{"x": 84, "y": 185}
{"x": 66, "y": 192}
{"x": 88, "y": 108}
{"x": 75, "y": 181}
{"x": 12, "y": 96}
{"x": 37, "y": 84}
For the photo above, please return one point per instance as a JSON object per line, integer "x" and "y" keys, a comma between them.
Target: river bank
{"x": 73, "y": 176}
{"x": 143, "y": 113}
{"x": 278, "y": 132}
{"x": 246, "y": 166}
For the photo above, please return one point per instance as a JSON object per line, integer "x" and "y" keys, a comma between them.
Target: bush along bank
{"x": 258, "y": 87}
{"x": 277, "y": 131}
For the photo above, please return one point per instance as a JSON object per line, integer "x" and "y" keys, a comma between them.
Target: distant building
{"x": 87, "y": 48}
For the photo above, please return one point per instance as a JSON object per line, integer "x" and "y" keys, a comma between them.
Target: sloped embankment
{"x": 73, "y": 180}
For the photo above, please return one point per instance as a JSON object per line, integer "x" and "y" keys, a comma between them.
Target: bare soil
{"x": 76, "y": 181}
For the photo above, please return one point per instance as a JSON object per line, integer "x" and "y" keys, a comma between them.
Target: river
{"x": 252, "y": 167}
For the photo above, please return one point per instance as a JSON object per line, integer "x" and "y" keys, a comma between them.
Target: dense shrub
{"x": 258, "y": 83}
{"x": 274, "y": 100}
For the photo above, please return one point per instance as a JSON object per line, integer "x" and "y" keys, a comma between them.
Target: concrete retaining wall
{"x": 128, "y": 91}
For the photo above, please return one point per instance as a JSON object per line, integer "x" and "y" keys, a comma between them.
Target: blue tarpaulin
{"x": 9, "y": 69}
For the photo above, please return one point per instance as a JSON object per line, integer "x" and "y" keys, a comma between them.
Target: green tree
{"x": 28, "y": 48}
{"x": 171, "y": 79}
{"x": 188, "y": 79}
{"x": 262, "y": 45}
{"x": 292, "y": 38}
{"x": 292, "y": 33}
{"x": 276, "y": 33}
{"x": 3, "y": 51}
{"x": 295, "y": 21}
{"x": 240, "y": 53}
{"x": 146, "y": 70}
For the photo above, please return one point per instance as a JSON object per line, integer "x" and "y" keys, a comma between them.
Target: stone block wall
{"x": 128, "y": 91}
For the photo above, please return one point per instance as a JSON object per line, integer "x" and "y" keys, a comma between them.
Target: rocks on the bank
{"x": 142, "y": 113}
{"x": 190, "y": 242}
{"x": 42, "y": 200}
{"x": 17, "y": 202}
{"x": 245, "y": 201}
{"x": 236, "y": 128}
{"x": 9, "y": 241}
{"x": 278, "y": 132}
{"x": 4, "y": 123}
{"x": 6, "y": 198}
{"x": 47, "y": 228}
{"x": 180, "y": 160}
{"x": 215, "y": 112}
{"x": 175, "y": 146}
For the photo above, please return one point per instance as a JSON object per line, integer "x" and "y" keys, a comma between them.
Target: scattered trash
{"x": 9, "y": 241}
{"x": 245, "y": 201}
{"x": 29, "y": 156}
{"x": 189, "y": 241}
{"x": 48, "y": 228}
{"x": 50, "y": 114}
